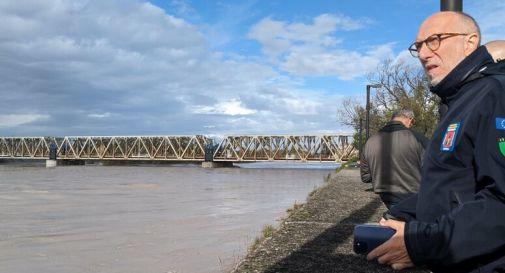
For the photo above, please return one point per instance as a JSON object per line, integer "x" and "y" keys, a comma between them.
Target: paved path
{"x": 317, "y": 237}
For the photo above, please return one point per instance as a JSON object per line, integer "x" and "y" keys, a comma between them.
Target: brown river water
{"x": 160, "y": 219}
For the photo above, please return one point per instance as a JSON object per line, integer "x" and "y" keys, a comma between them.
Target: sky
{"x": 212, "y": 67}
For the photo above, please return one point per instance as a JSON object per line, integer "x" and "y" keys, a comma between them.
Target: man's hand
{"x": 393, "y": 252}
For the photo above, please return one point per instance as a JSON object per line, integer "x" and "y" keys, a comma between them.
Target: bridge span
{"x": 196, "y": 148}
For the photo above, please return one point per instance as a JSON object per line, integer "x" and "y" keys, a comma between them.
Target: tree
{"x": 402, "y": 86}
{"x": 353, "y": 114}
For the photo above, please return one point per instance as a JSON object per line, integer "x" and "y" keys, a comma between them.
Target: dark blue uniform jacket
{"x": 458, "y": 224}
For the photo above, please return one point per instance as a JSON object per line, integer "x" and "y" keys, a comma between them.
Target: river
{"x": 162, "y": 219}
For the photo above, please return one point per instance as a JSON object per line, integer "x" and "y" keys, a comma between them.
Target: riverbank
{"x": 316, "y": 237}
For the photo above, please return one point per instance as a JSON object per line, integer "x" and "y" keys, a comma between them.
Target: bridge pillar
{"x": 50, "y": 163}
{"x": 53, "y": 151}
{"x": 209, "y": 153}
{"x": 213, "y": 164}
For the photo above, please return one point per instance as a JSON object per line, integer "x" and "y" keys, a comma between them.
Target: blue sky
{"x": 161, "y": 67}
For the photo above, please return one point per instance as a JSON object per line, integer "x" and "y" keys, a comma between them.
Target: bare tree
{"x": 402, "y": 86}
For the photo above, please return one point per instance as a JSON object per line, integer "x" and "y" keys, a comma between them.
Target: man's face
{"x": 407, "y": 122}
{"x": 440, "y": 62}
{"x": 410, "y": 122}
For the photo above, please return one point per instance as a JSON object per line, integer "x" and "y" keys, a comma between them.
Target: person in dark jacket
{"x": 391, "y": 159}
{"x": 456, "y": 222}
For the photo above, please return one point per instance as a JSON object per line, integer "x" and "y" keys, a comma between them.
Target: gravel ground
{"x": 317, "y": 236}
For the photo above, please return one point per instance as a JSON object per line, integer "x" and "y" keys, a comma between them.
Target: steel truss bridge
{"x": 304, "y": 148}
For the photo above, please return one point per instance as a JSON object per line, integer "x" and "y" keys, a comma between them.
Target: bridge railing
{"x": 331, "y": 148}
{"x": 176, "y": 148}
{"x": 336, "y": 148}
{"x": 25, "y": 147}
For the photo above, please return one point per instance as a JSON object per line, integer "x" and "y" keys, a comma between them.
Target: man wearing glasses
{"x": 456, "y": 223}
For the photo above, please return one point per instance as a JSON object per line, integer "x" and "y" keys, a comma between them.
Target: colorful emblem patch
{"x": 501, "y": 146}
{"x": 450, "y": 137}
{"x": 500, "y": 123}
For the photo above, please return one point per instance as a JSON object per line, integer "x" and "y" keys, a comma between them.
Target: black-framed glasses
{"x": 432, "y": 42}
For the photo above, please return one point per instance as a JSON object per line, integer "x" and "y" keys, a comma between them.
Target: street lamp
{"x": 451, "y": 5}
{"x": 367, "y": 124}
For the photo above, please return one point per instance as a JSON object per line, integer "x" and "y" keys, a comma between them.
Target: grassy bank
{"x": 317, "y": 236}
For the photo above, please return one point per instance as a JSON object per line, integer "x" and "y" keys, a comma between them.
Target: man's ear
{"x": 471, "y": 43}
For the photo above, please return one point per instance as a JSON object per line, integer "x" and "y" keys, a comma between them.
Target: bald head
{"x": 469, "y": 25}
{"x": 445, "y": 39}
{"x": 496, "y": 49}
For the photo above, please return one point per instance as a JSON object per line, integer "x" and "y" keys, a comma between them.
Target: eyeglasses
{"x": 432, "y": 42}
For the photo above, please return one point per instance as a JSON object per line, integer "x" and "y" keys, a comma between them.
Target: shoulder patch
{"x": 501, "y": 146}
{"x": 500, "y": 123}
{"x": 450, "y": 137}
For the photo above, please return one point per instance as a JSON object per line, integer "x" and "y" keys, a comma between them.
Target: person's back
{"x": 392, "y": 159}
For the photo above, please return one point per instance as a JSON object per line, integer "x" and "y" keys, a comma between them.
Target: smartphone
{"x": 369, "y": 236}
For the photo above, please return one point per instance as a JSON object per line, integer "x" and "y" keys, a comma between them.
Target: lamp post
{"x": 367, "y": 124}
{"x": 451, "y": 5}
{"x": 360, "y": 137}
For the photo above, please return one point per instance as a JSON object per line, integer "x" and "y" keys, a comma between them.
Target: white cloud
{"x": 232, "y": 107}
{"x": 345, "y": 65}
{"x": 182, "y": 7}
{"x": 14, "y": 120}
{"x": 277, "y": 37}
{"x": 301, "y": 105}
{"x": 99, "y": 116}
{"x": 311, "y": 49}
{"x": 405, "y": 57}
{"x": 127, "y": 67}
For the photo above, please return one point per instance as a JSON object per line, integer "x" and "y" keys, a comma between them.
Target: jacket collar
{"x": 393, "y": 126}
{"x": 451, "y": 84}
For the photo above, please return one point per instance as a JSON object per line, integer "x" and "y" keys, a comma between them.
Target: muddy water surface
{"x": 139, "y": 218}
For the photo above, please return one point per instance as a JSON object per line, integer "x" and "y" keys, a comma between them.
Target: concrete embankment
{"x": 316, "y": 237}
